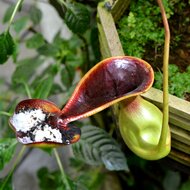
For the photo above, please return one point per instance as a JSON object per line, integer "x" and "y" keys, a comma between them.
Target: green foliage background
{"x": 142, "y": 29}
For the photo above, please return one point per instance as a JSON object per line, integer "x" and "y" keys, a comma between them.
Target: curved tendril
{"x": 165, "y": 76}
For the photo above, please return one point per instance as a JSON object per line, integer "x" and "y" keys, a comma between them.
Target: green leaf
{"x": 173, "y": 69}
{"x": 20, "y": 24}
{"x": 90, "y": 179}
{"x": 52, "y": 180}
{"x": 178, "y": 81}
{"x": 3, "y": 52}
{"x": 9, "y": 43}
{"x": 188, "y": 69}
{"x": 77, "y": 17}
{"x": 8, "y": 13}
{"x": 74, "y": 60}
{"x": 47, "y": 180}
{"x": 96, "y": 147}
{"x": 67, "y": 76}
{"x": 35, "y": 15}
{"x": 35, "y": 41}
{"x": 158, "y": 80}
{"x": 143, "y": 28}
{"x": 7, "y": 46}
{"x": 7, "y": 149}
{"x": 8, "y": 185}
{"x": 46, "y": 72}
{"x": 172, "y": 180}
{"x": 16, "y": 52}
{"x": 94, "y": 43}
{"x": 186, "y": 185}
{"x": 43, "y": 88}
{"x": 26, "y": 69}
{"x": 48, "y": 50}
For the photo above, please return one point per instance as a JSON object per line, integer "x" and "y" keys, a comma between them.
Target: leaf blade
{"x": 35, "y": 15}
{"x": 99, "y": 148}
{"x": 77, "y": 17}
{"x": 7, "y": 46}
{"x": 43, "y": 88}
{"x": 67, "y": 76}
{"x": 26, "y": 69}
{"x": 7, "y": 148}
{"x": 36, "y": 41}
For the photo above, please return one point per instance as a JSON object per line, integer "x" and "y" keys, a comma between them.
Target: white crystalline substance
{"x": 35, "y": 120}
{"x": 48, "y": 134}
{"x": 25, "y": 140}
{"x": 24, "y": 121}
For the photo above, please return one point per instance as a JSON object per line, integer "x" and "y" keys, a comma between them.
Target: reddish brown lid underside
{"x": 106, "y": 83}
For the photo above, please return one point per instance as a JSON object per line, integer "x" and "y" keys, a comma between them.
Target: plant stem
{"x": 64, "y": 177}
{"x": 62, "y": 2}
{"x": 86, "y": 64}
{"x": 14, "y": 166}
{"x": 164, "y": 131}
{"x": 18, "y": 4}
{"x": 5, "y": 113}
{"x": 27, "y": 90}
